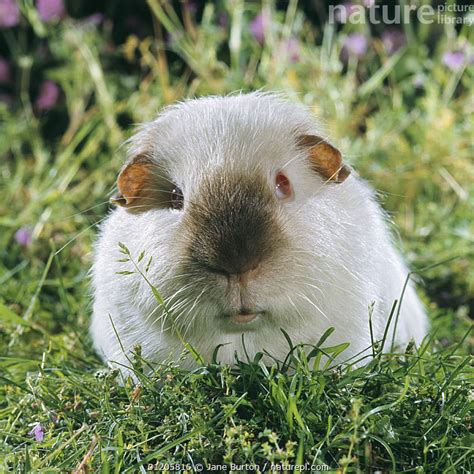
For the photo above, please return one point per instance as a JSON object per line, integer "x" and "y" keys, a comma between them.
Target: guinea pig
{"x": 241, "y": 215}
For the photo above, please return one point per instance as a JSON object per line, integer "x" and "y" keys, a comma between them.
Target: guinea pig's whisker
{"x": 138, "y": 206}
{"x": 313, "y": 304}
{"x": 183, "y": 275}
{"x": 178, "y": 306}
{"x": 158, "y": 190}
{"x": 181, "y": 318}
{"x": 153, "y": 199}
{"x": 311, "y": 253}
{"x": 191, "y": 322}
{"x": 325, "y": 282}
{"x": 79, "y": 233}
{"x": 295, "y": 308}
{"x": 186, "y": 309}
{"x": 161, "y": 318}
{"x": 196, "y": 301}
{"x": 189, "y": 299}
{"x": 345, "y": 290}
{"x": 161, "y": 176}
{"x": 161, "y": 190}
{"x": 83, "y": 211}
{"x": 167, "y": 301}
{"x": 313, "y": 287}
{"x": 152, "y": 313}
{"x": 177, "y": 292}
{"x": 294, "y": 158}
{"x": 302, "y": 156}
{"x": 353, "y": 274}
{"x": 180, "y": 262}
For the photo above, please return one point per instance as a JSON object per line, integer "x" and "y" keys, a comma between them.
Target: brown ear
{"x": 135, "y": 183}
{"x": 325, "y": 159}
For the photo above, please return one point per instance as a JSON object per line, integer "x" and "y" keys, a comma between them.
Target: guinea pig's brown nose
{"x": 242, "y": 274}
{"x": 243, "y": 278}
{"x": 233, "y": 224}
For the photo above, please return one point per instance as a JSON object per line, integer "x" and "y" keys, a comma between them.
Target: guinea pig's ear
{"x": 135, "y": 183}
{"x": 325, "y": 159}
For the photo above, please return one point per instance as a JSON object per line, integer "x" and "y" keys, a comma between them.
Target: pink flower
{"x": 4, "y": 70}
{"x": 23, "y": 236}
{"x": 9, "y": 13}
{"x": 393, "y": 40}
{"x": 355, "y": 44}
{"x": 94, "y": 19}
{"x": 454, "y": 60}
{"x": 38, "y": 432}
{"x": 291, "y": 48}
{"x": 50, "y": 10}
{"x": 48, "y": 95}
{"x": 258, "y": 26}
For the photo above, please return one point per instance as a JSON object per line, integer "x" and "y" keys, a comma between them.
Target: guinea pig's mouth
{"x": 244, "y": 315}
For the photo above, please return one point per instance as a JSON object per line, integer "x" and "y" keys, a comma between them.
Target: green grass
{"x": 404, "y": 412}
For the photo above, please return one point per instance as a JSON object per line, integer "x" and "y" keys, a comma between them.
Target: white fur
{"x": 340, "y": 257}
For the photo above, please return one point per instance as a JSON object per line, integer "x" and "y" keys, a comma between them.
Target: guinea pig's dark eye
{"x": 283, "y": 189}
{"x": 177, "y": 198}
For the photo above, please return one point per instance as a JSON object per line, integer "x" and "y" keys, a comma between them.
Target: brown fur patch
{"x": 325, "y": 159}
{"x": 134, "y": 179}
{"x": 233, "y": 223}
{"x": 142, "y": 185}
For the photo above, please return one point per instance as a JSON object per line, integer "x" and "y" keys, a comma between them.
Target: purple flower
{"x": 94, "y": 19}
{"x": 355, "y": 44}
{"x": 50, "y": 10}
{"x": 191, "y": 6}
{"x": 48, "y": 95}
{"x": 223, "y": 19}
{"x": 38, "y": 432}
{"x": 258, "y": 26}
{"x": 454, "y": 60}
{"x": 291, "y": 48}
{"x": 393, "y": 40}
{"x": 4, "y": 70}
{"x": 23, "y": 236}
{"x": 9, "y": 13}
